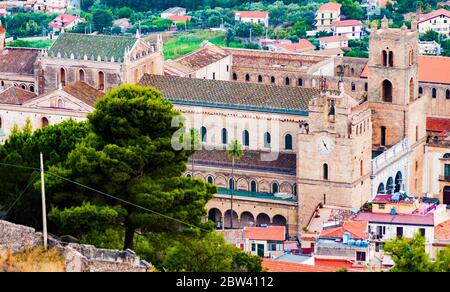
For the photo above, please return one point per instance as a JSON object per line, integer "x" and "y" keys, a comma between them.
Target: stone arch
{"x": 62, "y": 76}
{"x": 31, "y": 88}
{"x": 287, "y": 81}
{"x": 286, "y": 187}
{"x": 272, "y": 79}
{"x": 264, "y": 186}
{"x": 253, "y": 186}
{"x": 391, "y": 59}
{"x": 227, "y": 219}
{"x": 260, "y": 78}
{"x": 386, "y": 91}
{"x": 398, "y": 181}
{"x": 279, "y": 220}
{"x": 262, "y": 218}
{"x": 381, "y": 189}
{"x": 221, "y": 181}
{"x": 384, "y": 58}
{"x": 23, "y": 86}
{"x": 390, "y": 185}
{"x": 275, "y": 187}
{"x": 247, "y": 219}
{"x": 242, "y": 184}
{"x": 210, "y": 179}
{"x": 215, "y": 215}
{"x": 235, "y": 76}
{"x": 81, "y": 75}
{"x": 247, "y": 77}
{"x": 44, "y": 122}
{"x": 199, "y": 175}
{"x": 288, "y": 142}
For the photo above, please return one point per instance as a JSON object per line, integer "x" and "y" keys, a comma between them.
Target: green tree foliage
{"x": 209, "y": 254}
{"x": 352, "y": 9}
{"x": 409, "y": 255}
{"x": 430, "y": 35}
{"x": 24, "y": 24}
{"x": 101, "y": 19}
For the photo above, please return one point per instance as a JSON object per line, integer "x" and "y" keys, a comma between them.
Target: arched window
{"x": 234, "y": 76}
{"x": 224, "y": 136}
{"x": 353, "y": 86}
{"x": 384, "y": 58}
{"x": 101, "y": 80}
{"x": 267, "y": 140}
{"x": 188, "y": 175}
{"x": 81, "y": 75}
{"x": 300, "y": 82}
{"x": 366, "y": 86}
{"x": 325, "y": 171}
{"x": 391, "y": 59}
{"x": 31, "y": 88}
{"x": 420, "y": 90}
{"x": 253, "y": 186}
{"x": 447, "y": 94}
{"x": 383, "y": 136}
{"x": 433, "y": 93}
{"x": 245, "y": 138}
{"x": 272, "y": 79}
{"x": 287, "y": 81}
{"x": 411, "y": 90}
{"x": 231, "y": 184}
{"x": 203, "y": 133}
{"x": 288, "y": 142}
{"x": 23, "y": 86}
{"x": 210, "y": 179}
{"x": 60, "y": 103}
{"x": 2, "y": 83}
{"x": 380, "y": 189}
{"x": 62, "y": 76}
{"x": 386, "y": 91}
{"x": 44, "y": 122}
{"x": 247, "y": 77}
{"x": 274, "y": 188}
{"x": 260, "y": 79}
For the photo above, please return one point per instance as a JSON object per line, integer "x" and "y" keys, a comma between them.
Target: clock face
{"x": 325, "y": 145}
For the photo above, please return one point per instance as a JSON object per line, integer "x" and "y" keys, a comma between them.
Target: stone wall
{"x": 78, "y": 257}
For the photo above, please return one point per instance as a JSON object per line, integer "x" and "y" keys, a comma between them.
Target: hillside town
{"x": 320, "y": 144}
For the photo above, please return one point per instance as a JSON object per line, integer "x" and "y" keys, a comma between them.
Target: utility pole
{"x": 250, "y": 35}
{"x": 44, "y": 211}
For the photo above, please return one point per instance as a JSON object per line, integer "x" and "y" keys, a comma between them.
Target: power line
{"x": 20, "y": 195}
{"x": 127, "y": 202}
{"x": 19, "y": 166}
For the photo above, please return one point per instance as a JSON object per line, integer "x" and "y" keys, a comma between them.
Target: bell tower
{"x": 393, "y": 80}
{"x": 334, "y": 159}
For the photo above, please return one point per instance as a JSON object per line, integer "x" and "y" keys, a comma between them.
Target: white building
{"x": 333, "y": 42}
{"x": 265, "y": 241}
{"x": 438, "y": 21}
{"x": 174, "y": 11}
{"x": 429, "y": 48}
{"x": 208, "y": 62}
{"x": 351, "y": 29}
{"x": 257, "y": 17}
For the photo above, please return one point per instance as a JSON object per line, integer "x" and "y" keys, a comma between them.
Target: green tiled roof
{"x": 258, "y": 195}
{"x": 92, "y": 46}
{"x": 233, "y": 95}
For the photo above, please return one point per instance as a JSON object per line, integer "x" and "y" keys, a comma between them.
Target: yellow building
{"x": 326, "y": 14}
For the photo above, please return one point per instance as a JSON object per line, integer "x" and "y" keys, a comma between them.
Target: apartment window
{"x": 228, "y": 68}
{"x": 253, "y": 247}
{"x": 203, "y": 133}
{"x": 447, "y": 170}
{"x": 214, "y": 75}
{"x": 433, "y": 93}
{"x": 399, "y": 231}
{"x": 272, "y": 246}
{"x": 224, "y": 136}
{"x": 422, "y": 232}
{"x": 360, "y": 256}
{"x": 382, "y": 206}
{"x": 447, "y": 94}
{"x": 353, "y": 86}
{"x": 267, "y": 140}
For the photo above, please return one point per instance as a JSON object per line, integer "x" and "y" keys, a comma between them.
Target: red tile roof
{"x": 330, "y": 6}
{"x": 407, "y": 219}
{"x": 268, "y": 233}
{"x": 335, "y": 38}
{"x": 357, "y": 230}
{"x": 2, "y": 29}
{"x": 382, "y": 199}
{"x": 349, "y": 22}
{"x": 253, "y": 14}
{"x": 15, "y": 95}
{"x": 84, "y": 92}
{"x": 184, "y": 18}
{"x": 281, "y": 266}
{"x": 432, "y": 69}
{"x": 302, "y": 45}
{"x": 434, "y": 14}
{"x": 62, "y": 21}
{"x": 442, "y": 231}
{"x": 440, "y": 125}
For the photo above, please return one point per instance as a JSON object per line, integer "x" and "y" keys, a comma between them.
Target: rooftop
{"x": 281, "y": 266}
{"x": 174, "y": 10}
{"x": 302, "y": 45}
{"x": 256, "y": 195}
{"x": 253, "y": 14}
{"x": 433, "y": 14}
{"x": 16, "y": 96}
{"x": 349, "y": 22}
{"x": 335, "y": 38}
{"x": 272, "y": 233}
{"x": 92, "y": 46}
{"x": 330, "y": 6}
{"x": 18, "y": 60}
{"x": 233, "y": 95}
{"x": 62, "y": 20}
{"x": 357, "y": 230}
{"x": 438, "y": 126}
{"x": 84, "y": 92}
{"x": 403, "y": 219}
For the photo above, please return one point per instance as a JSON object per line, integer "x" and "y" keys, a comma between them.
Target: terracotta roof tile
{"x": 15, "y": 95}
{"x": 442, "y": 231}
{"x": 253, "y": 14}
{"x": 330, "y": 6}
{"x": 265, "y": 233}
{"x": 62, "y": 20}
{"x": 302, "y": 45}
{"x": 17, "y": 60}
{"x": 204, "y": 56}
{"x": 440, "y": 125}
{"x": 349, "y": 22}
{"x": 83, "y": 92}
{"x": 183, "y": 18}
{"x": 233, "y": 95}
{"x": 434, "y": 14}
{"x": 335, "y": 38}
{"x": 2, "y": 29}
{"x": 406, "y": 219}
{"x": 280, "y": 266}
{"x": 357, "y": 230}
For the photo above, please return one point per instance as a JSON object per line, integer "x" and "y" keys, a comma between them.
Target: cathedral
{"x": 315, "y": 130}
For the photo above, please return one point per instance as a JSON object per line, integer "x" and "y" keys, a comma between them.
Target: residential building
{"x": 398, "y": 215}
{"x": 350, "y": 29}
{"x": 174, "y": 11}
{"x": 257, "y": 17}
{"x": 48, "y": 6}
{"x": 265, "y": 241}
{"x": 303, "y": 45}
{"x": 333, "y": 42}
{"x": 179, "y": 20}
{"x": 441, "y": 237}
{"x": 64, "y": 22}
{"x": 208, "y": 62}
{"x": 326, "y": 14}
{"x": 123, "y": 23}
{"x": 429, "y": 48}
{"x": 438, "y": 21}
